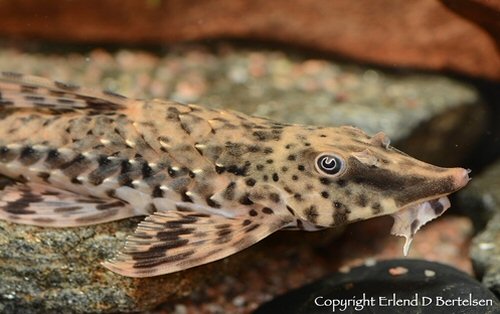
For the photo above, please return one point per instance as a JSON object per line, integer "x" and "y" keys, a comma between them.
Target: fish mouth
{"x": 410, "y": 218}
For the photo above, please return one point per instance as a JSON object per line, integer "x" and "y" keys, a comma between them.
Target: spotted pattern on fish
{"x": 211, "y": 182}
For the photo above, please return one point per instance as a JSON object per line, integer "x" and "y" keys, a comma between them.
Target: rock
{"x": 481, "y": 202}
{"x": 58, "y": 269}
{"x": 446, "y": 239}
{"x": 485, "y": 254}
{"x": 481, "y": 12}
{"x": 48, "y": 270}
{"x": 417, "y": 34}
{"x": 419, "y": 286}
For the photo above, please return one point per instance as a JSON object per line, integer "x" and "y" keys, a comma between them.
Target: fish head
{"x": 346, "y": 175}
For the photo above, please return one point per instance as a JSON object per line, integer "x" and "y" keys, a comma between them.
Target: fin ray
{"x": 24, "y": 91}
{"x": 40, "y": 205}
{"x": 166, "y": 242}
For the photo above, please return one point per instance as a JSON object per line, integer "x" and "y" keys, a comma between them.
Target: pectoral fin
{"x": 166, "y": 242}
{"x": 41, "y": 205}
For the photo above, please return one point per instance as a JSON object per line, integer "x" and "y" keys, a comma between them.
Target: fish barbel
{"x": 210, "y": 182}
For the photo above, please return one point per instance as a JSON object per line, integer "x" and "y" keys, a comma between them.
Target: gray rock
{"x": 485, "y": 254}
{"x": 482, "y": 201}
{"x": 58, "y": 270}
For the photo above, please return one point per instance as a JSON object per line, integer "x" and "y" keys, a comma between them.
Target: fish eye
{"x": 329, "y": 164}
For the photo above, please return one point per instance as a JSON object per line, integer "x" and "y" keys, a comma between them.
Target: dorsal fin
{"x": 24, "y": 91}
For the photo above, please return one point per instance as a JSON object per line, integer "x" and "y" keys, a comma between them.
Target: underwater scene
{"x": 163, "y": 156}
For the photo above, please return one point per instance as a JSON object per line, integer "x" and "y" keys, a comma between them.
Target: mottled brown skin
{"x": 190, "y": 167}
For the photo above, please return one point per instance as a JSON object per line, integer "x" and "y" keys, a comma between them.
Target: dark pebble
{"x": 380, "y": 284}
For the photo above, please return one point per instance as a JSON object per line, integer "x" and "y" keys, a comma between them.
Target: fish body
{"x": 210, "y": 182}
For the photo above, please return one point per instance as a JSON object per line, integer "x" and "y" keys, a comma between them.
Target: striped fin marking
{"x": 166, "y": 242}
{"x": 41, "y": 205}
{"x": 24, "y": 91}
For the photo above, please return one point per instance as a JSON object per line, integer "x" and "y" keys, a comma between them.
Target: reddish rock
{"x": 422, "y": 34}
{"x": 445, "y": 240}
{"x": 485, "y": 13}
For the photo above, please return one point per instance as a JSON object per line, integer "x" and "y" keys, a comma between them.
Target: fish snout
{"x": 460, "y": 177}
